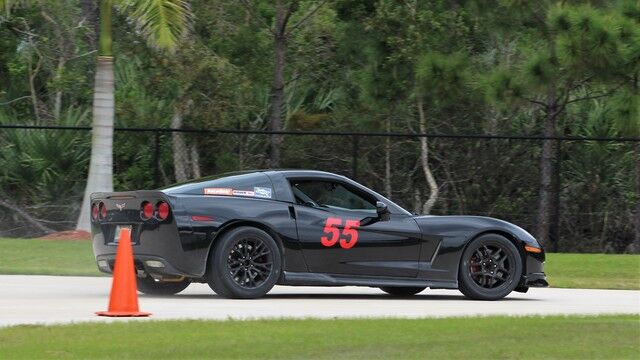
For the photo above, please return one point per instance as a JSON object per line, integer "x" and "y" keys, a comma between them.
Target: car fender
{"x": 454, "y": 233}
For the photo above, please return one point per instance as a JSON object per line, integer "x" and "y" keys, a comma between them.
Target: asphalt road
{"x": 58, "y": 299}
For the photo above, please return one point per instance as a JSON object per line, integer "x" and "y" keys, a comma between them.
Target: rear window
{"x": 249, "y": 185}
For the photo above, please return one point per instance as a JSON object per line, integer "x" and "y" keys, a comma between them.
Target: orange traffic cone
{"x": 124, "y": 293}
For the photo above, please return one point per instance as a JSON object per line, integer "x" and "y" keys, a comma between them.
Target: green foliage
{"x": 630, "y": 9}
{"x": 626, "y": 105}
{"x": 45, "y": 170}
{"x": 8, "y": 5}
{"x": 501, "y": 87}
{"x": 442, "y": 75}
{"x": 162, "y": 22}
{"x": 41, "y": 166}
{"x": 478, "y": 66}
{"x": 588, "y": 39}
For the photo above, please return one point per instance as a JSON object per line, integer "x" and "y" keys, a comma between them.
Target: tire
{"x": 150, "y": 286}
{"x": 402, "y": 290}
{"x": 245, "y": 264}
{"x": 490, "y": 268}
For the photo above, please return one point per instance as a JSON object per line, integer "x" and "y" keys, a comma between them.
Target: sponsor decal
{"x": 262, "y": 192}
{"x": 218, "y": 191}
{"x": 331, "y": 228}
{"x": 243, "y": 193}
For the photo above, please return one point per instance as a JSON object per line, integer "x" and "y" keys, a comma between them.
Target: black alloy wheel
{"x": 490, "y": 268}
{"x": 250, "y": 262}
{"x": 245, "y": 263}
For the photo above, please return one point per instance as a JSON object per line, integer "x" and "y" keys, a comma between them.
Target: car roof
{"x": 300, "y": 172}
{"x": 267, "y": 173}
{"x": 280, "y": 192}
{"x": 285, "y": 172}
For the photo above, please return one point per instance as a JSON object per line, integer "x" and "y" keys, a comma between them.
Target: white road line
{"x": 65, "y": 299}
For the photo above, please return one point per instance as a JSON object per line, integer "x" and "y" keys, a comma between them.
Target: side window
{"x": 333, "y": 195}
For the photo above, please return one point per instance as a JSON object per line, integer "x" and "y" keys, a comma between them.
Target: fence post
{"x": 555, "y": 230}
{"x": 354, "y": 158}
{"x": 156, "y": 171}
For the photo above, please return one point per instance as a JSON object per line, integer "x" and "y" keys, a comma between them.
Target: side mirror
{"x": 382, "y": 210}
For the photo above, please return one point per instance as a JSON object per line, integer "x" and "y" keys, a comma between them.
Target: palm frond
{"x": 162, "y": 22}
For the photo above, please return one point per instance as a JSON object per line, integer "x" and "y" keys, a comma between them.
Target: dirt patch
{"x": 68, "y": 235}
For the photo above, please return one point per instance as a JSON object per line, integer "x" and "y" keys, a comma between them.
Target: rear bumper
{"x": 163, "y": 245}
{"x": 150, "y": 264}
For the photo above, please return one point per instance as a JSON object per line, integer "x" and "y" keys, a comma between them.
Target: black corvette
{"x": 243, "y": 233}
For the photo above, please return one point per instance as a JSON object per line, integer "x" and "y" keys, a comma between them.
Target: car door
{"x": 340, "y": 231}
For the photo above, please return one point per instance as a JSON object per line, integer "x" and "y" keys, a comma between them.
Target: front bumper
{"x": 534, "y": 275}
{"x": 535, "y": 280}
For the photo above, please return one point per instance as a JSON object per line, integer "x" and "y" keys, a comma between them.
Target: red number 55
{"x": 331, "y": 229}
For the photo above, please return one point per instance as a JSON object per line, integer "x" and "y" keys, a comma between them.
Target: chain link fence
{"x": 43, "y": 173}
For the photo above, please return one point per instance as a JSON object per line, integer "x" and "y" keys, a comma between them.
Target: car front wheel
{"x": 490, "y": 268}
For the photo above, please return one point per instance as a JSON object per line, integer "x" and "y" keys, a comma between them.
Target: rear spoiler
{"x": 125, "y": 195}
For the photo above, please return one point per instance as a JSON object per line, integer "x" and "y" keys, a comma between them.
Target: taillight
{"x": 163, "y": 210}
{"x": 94, "y": 212}
{"x": 103, "y": 211}
{"x": 147, "y": 210}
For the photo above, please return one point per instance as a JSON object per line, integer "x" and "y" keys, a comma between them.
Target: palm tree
{"x": 162, "y": 23}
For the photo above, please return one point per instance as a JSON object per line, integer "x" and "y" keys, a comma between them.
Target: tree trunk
{"x": 32, "y": 87}
{"x": 546, "y": 175}
{"x": 417, "y": 201}
{"x": 424, "y": 160}
{"x": 277, "y": 85}
{"x": 195, "y": 161}
{"x": 100, "y": 177}
{"x": 180, "y": 151}
{"x": 57, "y": 107}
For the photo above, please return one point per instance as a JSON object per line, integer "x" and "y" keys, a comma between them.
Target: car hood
{"x": 471, "y": 226}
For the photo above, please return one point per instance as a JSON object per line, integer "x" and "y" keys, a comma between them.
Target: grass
{"x": 60, "y": 257}
{"x": 593, "y": 271}
{"x": 47, "y": 257}
{"x": 615, "y": 337}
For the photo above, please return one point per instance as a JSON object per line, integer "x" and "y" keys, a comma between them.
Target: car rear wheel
{"x": 245, "y": 264}
{"x": 402, "y": 290}
{"x": 150, "y": 286}
{"x": 490, "y": 268}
